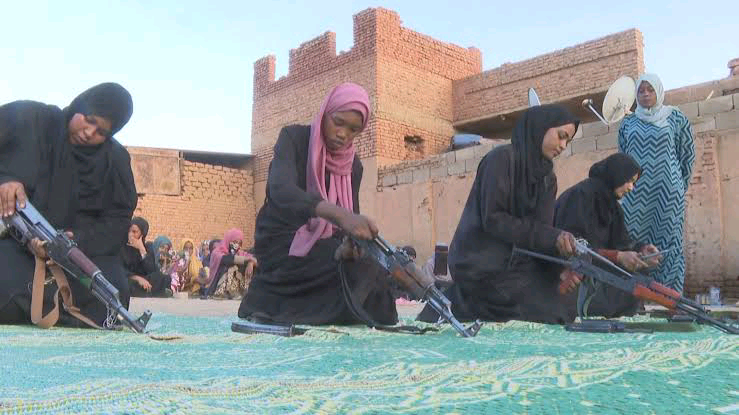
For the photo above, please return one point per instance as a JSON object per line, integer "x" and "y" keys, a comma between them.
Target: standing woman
{"x": 313, "y": 184}
{"x": 511, "y": 204}
{"x": 660, "y": 139}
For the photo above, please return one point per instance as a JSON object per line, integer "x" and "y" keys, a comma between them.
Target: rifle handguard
{"x": 82, "y": 261}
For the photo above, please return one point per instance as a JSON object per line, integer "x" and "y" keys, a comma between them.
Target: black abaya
{"x": 591, "y": 210}
{"x": 511, "y": 203}
{"x": 89, "y": 191}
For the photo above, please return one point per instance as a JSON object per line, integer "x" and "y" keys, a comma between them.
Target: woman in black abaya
{"x": 511, "y": 203}
{"x": 144, "y": 277}
{"x": 313, "y": 184}
{"x": 67, "y": 163}
{"x": 591, "y": 210}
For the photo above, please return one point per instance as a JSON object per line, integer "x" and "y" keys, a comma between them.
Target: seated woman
{"x": 231, "y": 268}
{"x": 204, "y": 252}
{"x": 204, "y": 273}
{"x": 313, "y": 183}
{"x": 69, "y": 165}
{"x": 591, "y": 210}
{"x": 511, "y": 203}
{"x": 138, "y": 260}
{"x": 186, "y": 268}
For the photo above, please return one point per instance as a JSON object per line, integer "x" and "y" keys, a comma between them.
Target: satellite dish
{"x": 619, "y": 99}
{"x": 617, "y": 102}
{"x": 533, "y": 98}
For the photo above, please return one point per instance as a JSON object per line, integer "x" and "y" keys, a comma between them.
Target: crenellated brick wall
{"x": 408, "y": 76}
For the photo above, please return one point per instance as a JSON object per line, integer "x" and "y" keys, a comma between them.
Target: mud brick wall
{"x": 210, "y": 200}
{"x": 583, "y": 69}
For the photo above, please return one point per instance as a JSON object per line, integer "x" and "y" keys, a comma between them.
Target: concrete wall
{"x": 426, "y": 197}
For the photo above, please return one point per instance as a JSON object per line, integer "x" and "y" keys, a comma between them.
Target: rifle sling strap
{"x": 360, "y": 313}
{"x": 37, "y": 297}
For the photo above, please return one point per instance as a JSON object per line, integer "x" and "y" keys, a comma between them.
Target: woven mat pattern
{"x": 516, "y": 367}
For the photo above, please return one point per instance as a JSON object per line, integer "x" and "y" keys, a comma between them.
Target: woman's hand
{"x": 142, "y": 282}
{"x": 631, "y": 261}
{"x": 10, "y": 193}
{"x": 566, "y": 244}
{"x": 358, "y": 226}
{"x": 250, "y": 266}
{"x": 38, "y": 247}
{"x": 137, "y": 243}
{"x": 568, "y": 281}
{"x": 652, "y": 261}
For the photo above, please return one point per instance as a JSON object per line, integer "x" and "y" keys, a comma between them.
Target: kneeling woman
{"x": 591, "y": 210}
{"x": 313, "y": 183}
{"x": 511, "y": 203}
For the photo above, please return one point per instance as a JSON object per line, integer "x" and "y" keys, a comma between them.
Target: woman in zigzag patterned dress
{"x": 660, "y": 139}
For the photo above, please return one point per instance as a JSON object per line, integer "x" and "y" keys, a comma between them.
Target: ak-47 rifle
{"x": 27, "y": 223}
{"x": 640, "y": 286}
{"x": 420, "y": 285}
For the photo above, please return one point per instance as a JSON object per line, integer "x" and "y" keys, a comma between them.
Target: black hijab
{"x": 608, "y": 175}
{"x": 615, "y": 170}
{"x": 143, "y": 226}
{"x": 590, "y": 209}
{"x": 131, "y": 256}
{"x": 530, "y": 167}
{"x": 101, "y": 177}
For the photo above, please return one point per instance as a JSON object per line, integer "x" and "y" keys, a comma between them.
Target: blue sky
{"x": 188, "y": 64}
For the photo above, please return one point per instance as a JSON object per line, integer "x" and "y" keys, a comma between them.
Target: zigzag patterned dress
{"x": 655, "y": 209}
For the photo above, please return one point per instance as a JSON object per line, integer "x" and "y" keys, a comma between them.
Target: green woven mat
{"x": 508, "y": 368}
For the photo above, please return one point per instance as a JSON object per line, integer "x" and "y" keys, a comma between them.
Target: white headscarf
{"x": 658, "y": 114}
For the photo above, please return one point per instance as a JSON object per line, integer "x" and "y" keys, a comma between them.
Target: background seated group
{"x": 216, "y": 268}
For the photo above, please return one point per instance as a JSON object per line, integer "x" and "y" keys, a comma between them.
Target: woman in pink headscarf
{"x": 230, "y": 267}
{"x": 313, "y": 185}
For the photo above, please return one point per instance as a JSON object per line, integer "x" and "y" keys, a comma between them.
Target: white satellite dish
{"x": 533, "y": 98}
{"x": 617, "y": 102}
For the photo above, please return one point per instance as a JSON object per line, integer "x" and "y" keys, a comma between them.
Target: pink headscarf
{"x": 221, "y": 249}
{"x": 344, "y": 97}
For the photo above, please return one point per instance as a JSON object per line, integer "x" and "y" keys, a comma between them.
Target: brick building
{"x": 193, "y": 194}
